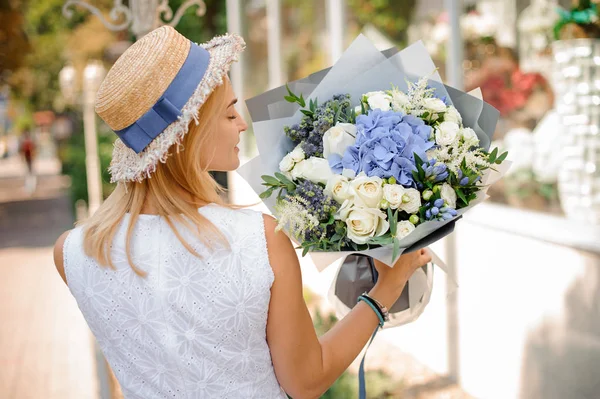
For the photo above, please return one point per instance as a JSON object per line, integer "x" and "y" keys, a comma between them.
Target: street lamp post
{"x": 92, "y": 77}
{"x": 142, "y": 16}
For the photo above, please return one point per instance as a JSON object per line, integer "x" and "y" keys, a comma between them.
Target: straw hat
{"x": 153, "y": 92}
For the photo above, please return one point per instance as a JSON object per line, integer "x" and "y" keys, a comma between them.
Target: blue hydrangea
{"x": 385, "y": 146}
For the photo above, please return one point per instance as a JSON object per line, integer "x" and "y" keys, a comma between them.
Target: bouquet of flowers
{"x": 367, "y": 175}
{"x": 374, "y": 156}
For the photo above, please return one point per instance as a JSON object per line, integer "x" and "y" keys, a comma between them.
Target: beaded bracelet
{"x": 384, "y": 311}
{"x": 373, "y": 306}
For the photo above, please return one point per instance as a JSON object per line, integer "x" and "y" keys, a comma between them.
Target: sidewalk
{"x": 46, "y": 349}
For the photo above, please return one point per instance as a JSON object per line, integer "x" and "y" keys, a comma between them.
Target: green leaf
{"x": 336, "y": 237}
{"x": 307, "y": 113}
{"x": 396, "y": 249}
{"x": 289, "y": 91}
{"x": 392, "y": 218}
{"x": 418, "y": 160}
{"x": 362, "y": 108}
{"x": 382, "y": 240}
{"x": 493, "y": 155}
{"x": 301, "y": 101}
{"x": 267, "y": 193}
{"x": 502, "y": 157}
{"x": 270, "y": 180}
{"x": 305, "y": 251}
{"x": 290, "y": 99}
{"x": 282, "y": 178}
{"x": 461, "y": 195}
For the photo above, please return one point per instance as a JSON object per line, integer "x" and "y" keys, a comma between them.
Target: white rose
{"x": 448, "y": 195}
{"x": 315, "y": 169}
{"x": 338, "y": 138}
{"x": 364, "y": 224}
{"x": 434, "y": 105}
{"x": 446, "y": 133}
{"x": 411, "y": 201}
{"x": 452, "y": 115}
{"x": 338, "y": 187}
{"x": 287, "y": 163}
{"x": 469, "y": 136}
{"x": 404, "y": 228}
{"x": 379, "y": 100}
{"x": 399, "y": 100}
{"x": 393, "y": 193}
{"x": 344, "y": 211}
{"x": 298, "y": 153}
{"x": 368, "y": 190}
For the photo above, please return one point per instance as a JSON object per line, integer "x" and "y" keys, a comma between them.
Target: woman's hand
{"x": 391, "y": 280}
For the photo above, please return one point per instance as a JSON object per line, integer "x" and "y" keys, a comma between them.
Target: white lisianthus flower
{"x": 452, "y": 115}
{"x": 399, "y": 100}
{"x": 315, "y": 169}
{"x": 404, "y": 228}
{"x": 298, "y": 153}
{"x": 448, "y": 195}
{"x": 344, "y": 211}
{"x": 338, "y": 138}
{"x": 287, "y": 163}
{"x": 469, "y": 136}
{"x": 358, "y": 110}
{"x": 393, "y": 194}
{"x": 363, "y": 224}
{"x": 446, "y": 133}
{"x": 379, "y": 100}
{"x": 411, "y": 201}
{"x": 368, "y": 190}
{"x": 434, "y": 105}
{"x": 338, "y": 187}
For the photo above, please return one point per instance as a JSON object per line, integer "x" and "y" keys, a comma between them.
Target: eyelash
{"x": 232, "y": 117}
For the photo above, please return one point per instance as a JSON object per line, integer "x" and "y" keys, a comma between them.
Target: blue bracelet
{"x": 375, "y": 309}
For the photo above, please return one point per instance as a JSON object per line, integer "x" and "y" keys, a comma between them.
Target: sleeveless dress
{"x": 193, "y": 327}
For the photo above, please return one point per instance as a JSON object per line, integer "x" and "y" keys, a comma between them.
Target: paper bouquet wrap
{"x": 372, "y": 158}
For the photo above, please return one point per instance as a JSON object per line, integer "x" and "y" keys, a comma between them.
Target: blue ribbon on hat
{"x": 168, "y": 107}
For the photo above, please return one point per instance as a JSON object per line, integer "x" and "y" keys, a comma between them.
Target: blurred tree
{"x": 48, "y": 30}
{"x": 14, "y": 44}
{"x": 202, "y": 29}
{"x": 391, "y": 17}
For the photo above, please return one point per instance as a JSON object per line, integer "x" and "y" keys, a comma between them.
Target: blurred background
{"x": 525, "y": 320}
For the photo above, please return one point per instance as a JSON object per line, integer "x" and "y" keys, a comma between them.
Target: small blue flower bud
{"x": 464, "y": 181}
{"x": 435, "y": 211}
{"x": 438, "y": 203}
{"x": 428, "y": 214}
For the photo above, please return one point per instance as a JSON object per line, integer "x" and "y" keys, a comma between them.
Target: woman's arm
{"x": 305, "y": 365}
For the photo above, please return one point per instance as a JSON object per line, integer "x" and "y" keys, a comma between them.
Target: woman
{"x": 189, "y": 297}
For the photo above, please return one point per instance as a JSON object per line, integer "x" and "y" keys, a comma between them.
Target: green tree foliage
{"x": 14, "y": 44}
{"x": 391, "y": 17}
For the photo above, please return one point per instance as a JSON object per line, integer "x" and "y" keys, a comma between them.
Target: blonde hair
{"x": 184, "y": 171}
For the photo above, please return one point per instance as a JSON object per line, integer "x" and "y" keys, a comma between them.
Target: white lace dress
{"x": 193, "y": 328}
